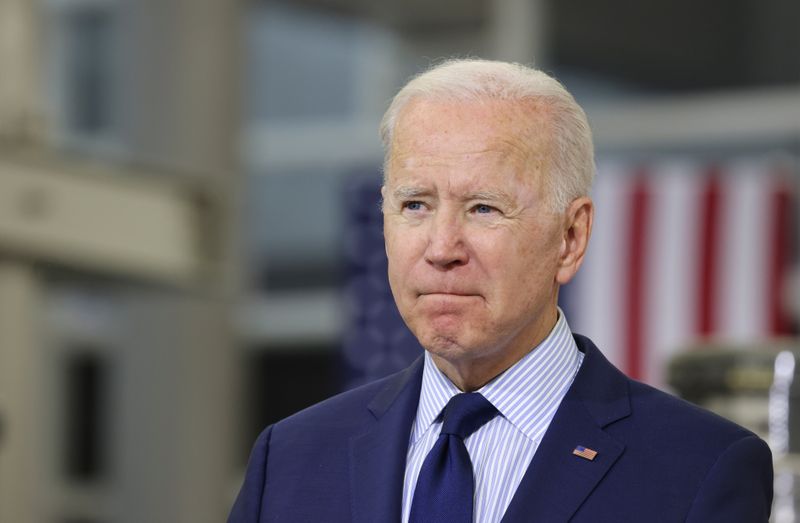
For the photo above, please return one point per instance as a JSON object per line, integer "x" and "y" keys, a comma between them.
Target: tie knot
{"x": 465, "y": 413}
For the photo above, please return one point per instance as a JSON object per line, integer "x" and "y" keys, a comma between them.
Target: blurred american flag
{"x": 683, "y": 251}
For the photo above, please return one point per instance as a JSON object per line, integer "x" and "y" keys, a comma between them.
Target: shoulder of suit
{"x": 657, "y": 414}
{"x": 344, "y": 409}
{"x": 671, "y": 415}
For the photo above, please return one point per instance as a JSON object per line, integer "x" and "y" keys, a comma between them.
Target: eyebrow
{"x": 495, "y": 196}
{"x": 411, "y": 192}
{"x": 406, "y": 192}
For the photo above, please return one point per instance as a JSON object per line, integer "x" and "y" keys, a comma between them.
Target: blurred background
{"x": 190, "y": 235}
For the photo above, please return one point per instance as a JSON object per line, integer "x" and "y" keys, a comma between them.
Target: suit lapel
{"x": 557, "y": 482}
{"x": 378, "y": 457}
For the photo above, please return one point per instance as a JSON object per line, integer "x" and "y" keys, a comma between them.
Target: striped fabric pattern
{"x": 684, "y": 251}
{"x": 527, "y": 396}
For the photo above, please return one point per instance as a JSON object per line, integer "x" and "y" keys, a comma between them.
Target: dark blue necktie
{"x": 445, "y": 487}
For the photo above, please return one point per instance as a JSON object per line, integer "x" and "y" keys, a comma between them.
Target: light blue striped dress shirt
{"x": 526, "y": 395}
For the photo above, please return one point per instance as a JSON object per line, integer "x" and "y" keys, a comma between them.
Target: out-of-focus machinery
{"x": 758, "y": 387}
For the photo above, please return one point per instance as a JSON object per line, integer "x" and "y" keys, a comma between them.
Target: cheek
{"x": 390, "y": 244}
{"x": 520, "y": 265}
{"x": 541, "y": 245}
{"x": 402, "y": 251}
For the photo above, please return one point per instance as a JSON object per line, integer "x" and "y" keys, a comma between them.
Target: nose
{"x": 446, "y": 246}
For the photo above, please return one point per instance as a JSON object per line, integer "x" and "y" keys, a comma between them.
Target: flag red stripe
{"x": 636, "y": 288}
{"x": 710, "y": 210}
{"x": 779, "y": 259}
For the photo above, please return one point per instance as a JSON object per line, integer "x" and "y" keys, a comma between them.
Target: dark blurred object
{"x": 667, "y": 45}
{"x": 280, "y": 381}
{"x": 680, "y": 45}
{"x": 700, "y": 375}
{"x": 739, "y": 383}
{"x": 85, "y": 394}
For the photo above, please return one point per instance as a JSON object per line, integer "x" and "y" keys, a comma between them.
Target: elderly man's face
{"x": 475, "y": 251}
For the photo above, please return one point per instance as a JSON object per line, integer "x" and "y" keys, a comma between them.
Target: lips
{"x": 446, "y": 289}
{"x": 448, "y": 293}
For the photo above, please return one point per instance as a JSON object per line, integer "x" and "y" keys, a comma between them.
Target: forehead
{"x": 523, "y": 123}
{"x": 470, "y": 138}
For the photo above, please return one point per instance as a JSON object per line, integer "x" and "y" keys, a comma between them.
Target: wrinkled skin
{"x": 476, "y": 252}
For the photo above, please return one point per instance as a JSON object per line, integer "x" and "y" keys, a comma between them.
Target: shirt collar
{"x": 524, "y": 394}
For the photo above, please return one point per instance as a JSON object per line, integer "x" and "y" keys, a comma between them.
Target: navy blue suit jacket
{"x": 658, "y": 458}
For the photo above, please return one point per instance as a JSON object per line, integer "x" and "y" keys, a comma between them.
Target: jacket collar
{"x": 557, "y": 482}
{"x": 378, "y": 457}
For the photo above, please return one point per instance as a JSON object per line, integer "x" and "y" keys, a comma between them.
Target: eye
{"x": 412, "y": 205}
{"x": 482, "y": 208}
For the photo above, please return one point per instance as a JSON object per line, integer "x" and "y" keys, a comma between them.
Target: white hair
{"x": 474, "y": 80}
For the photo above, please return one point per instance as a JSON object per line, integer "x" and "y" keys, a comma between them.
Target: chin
{"x": 449, "y": 336}
{"x": 449, "y": 346}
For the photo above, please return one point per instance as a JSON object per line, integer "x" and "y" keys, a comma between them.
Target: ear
{"x": 577, "y": 229}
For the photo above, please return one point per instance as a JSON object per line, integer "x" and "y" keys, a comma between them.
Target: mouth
{"x": 449, "y": 294}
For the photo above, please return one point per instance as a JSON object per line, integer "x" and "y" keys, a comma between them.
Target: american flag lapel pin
{"x": 585, "y": 453}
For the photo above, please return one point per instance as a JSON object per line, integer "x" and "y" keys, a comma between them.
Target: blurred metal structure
{"x": 757, "y": 387}
{"x": 117, "y": 373}
{"x": 767, "y": 118}
{"x": 51, "y": 210}
{"x": 21, "y": 90}
{"x": 22, "y": 435}
{"x": 734, "y": 382}
{"x": 784, "y": 426}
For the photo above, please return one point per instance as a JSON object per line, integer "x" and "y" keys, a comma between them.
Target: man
{"x": 507, "y": 416}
